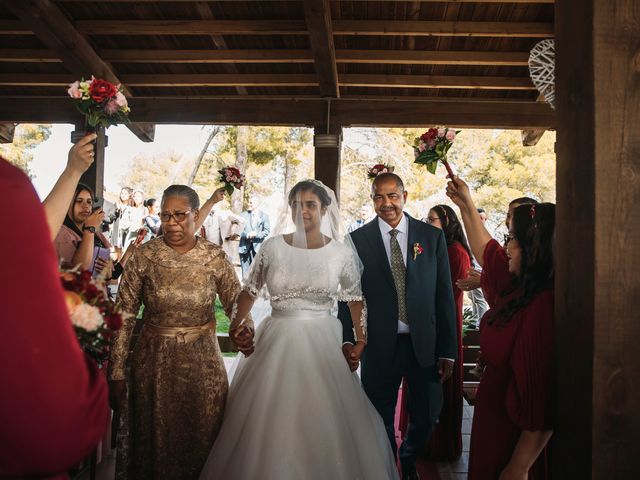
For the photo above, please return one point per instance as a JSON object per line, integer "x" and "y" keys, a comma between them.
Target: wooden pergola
{"x": 333, "y": 64}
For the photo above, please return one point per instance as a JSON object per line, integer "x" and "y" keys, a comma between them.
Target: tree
{"x": 152, "y": 174}
{"x": 25, "y": 140}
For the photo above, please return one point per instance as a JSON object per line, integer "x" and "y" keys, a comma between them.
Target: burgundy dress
{"x": 446, "y": 440}
{"x": 53, "y": 405}
{"x": 515, "y": 390}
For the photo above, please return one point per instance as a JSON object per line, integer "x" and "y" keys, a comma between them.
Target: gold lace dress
{"x": 177, "y": 383}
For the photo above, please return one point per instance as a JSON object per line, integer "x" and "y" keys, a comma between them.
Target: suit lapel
{"x": 374, "y": 238}
{"x": 411, "y": 240}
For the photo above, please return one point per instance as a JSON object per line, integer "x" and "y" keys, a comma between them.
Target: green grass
{"x": 222, "y": 321}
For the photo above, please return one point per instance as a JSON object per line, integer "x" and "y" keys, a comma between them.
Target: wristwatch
{"x": 91, "y": 229}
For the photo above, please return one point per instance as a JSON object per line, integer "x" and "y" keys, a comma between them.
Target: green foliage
{"x": 222, "y": 321}
{"x": 26, "y": 138}
{"x": 152, "y": 174}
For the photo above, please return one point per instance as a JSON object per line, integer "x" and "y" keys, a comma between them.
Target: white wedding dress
{"x": 294, "y": 409}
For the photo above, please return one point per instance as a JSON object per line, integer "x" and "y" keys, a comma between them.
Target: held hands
{"x": 81, "y": 155}
{"x": 104, "y": 267}
{"x": 445, "y": 369}
{"x": 242, "y": 336}
{"x": 352, "y": 354}
{"x": 471, "y": 282}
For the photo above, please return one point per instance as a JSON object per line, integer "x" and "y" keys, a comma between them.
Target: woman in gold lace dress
{"x": 177, "y": 384}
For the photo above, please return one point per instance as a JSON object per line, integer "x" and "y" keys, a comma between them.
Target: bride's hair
{"x": 310, "y": 185}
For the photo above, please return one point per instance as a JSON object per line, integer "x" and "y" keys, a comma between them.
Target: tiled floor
{"x": 458, "y": 470}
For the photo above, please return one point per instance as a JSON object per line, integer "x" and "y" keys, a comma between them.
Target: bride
{"x": 294, "y": 408}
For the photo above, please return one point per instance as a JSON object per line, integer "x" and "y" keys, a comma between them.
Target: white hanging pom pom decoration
{"x": 542, "y": 69}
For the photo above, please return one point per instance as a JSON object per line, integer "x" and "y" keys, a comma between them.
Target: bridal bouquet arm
{"x": 94, "y": 316}
{"x": 432, "y": 147}
{"x": 232, "y": 178}
{"x": 101, "y": 102}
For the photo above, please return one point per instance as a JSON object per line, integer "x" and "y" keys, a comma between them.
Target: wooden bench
{"x": 470, "y": 350}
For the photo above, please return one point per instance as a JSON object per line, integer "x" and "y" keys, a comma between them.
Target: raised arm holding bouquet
{"x": 432, "y": 146}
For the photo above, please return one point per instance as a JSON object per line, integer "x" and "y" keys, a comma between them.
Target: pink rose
{"x": 422, "y": 147}
{"x": 74, "y": 90}
{"x": 111, "y": 107}
{"x": 121, "y": 100}
{"x": 451, "y": 135}
{"x": 441, "y": 132}
{"x": 431, "y": 143}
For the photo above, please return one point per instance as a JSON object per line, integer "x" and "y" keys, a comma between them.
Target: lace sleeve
{"x": 129, "y": 300}
{"x": 351, "y": 291}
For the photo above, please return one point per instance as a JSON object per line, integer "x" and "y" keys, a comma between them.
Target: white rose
{"x": 87, "y": 317}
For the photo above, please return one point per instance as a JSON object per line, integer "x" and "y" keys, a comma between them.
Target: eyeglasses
{"x": 432, "y": 219}
{"x": 177, "y": 216}
{"x": 508, "y": 237}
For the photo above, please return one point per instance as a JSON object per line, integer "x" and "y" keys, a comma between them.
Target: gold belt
{"x": 182, "y": 334}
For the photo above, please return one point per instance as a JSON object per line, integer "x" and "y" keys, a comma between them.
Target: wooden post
{"x": 94, "y": 176}
{"x": 598, "y": 240}
{"x": 327, "y": 156}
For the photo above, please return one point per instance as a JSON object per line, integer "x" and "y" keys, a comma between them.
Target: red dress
{"x": 515, "y": 389}
{"x": 53, "y": 406}
{"x": 446, "y": 440}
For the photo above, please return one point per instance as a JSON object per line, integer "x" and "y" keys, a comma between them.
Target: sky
{"x": 50, "y": 157}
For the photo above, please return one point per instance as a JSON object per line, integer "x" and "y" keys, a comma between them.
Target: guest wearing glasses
{"x": 513, "y": 419}
{"x": 177, "y": 384}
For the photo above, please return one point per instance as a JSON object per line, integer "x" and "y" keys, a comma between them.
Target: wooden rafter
{"x": 294, "y": 80}
{"x": 318, "y": 18}
{"x": 297, "y": 27}
{"x": 425, "y": 1}
{"x": 250, "y": 111}
{"x": 55, "y": 31}
{"x": 29, "y": 55}
{"x": 407, "y": 57}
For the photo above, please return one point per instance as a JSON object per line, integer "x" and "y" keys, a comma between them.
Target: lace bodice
{"x": 305, "y": 279}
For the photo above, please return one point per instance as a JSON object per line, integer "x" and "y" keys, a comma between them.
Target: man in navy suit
{"x": 411, "y": 316}
{"x": 256, "y": 229}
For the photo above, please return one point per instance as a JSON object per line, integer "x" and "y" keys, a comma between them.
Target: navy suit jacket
{"x": 430, "y": 305}
{"x": 260, "y": 226}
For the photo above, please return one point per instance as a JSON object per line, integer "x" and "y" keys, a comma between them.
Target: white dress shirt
{"x": 403, "y": 240}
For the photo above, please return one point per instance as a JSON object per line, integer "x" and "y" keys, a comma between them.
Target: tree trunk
{"x": 241, "y": 164}
{"x": 205, "y": 147}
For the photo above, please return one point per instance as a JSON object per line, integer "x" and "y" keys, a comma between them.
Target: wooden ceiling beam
{"x": 399, "y": 57}
{"x": 14, "y": 27}
{"x": 292, "y": 80}
{"x": 431, "y": 57}
{"x": 211, "y": 1}
{"x": 57, "y": 33}
{"x": 437, "y": 81}
{"x": 438, "y": 28}
{"x": 251, "y": 111}
{"x": 29, "y": 55}
{"x": 297, "y": 27}
{"x": 208, "y": 56}
{"x": 318, "y": 18}
{"x": 192, "y": 27}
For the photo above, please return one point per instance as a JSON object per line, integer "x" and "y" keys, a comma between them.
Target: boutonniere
{"x": 417, "y": 250}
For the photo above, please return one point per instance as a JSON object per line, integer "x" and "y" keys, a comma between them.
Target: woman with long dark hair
{"x": 79, "y": 241}
{"x": 512, "y": 419}
{"x": 446, "y": 441}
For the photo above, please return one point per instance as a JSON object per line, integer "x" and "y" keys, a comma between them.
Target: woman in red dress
{"x": 512, "y": 419}
{"x": 53, "y": 406}
{"x": 446, "y": 440}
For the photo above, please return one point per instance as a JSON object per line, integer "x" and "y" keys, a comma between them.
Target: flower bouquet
{"x": 101, "y": 102}
{"x": 432, "y": 146}
{"x": 232, "y": 179}
{"x": 379, "y": 168}
{"x": 93, "y": 315}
